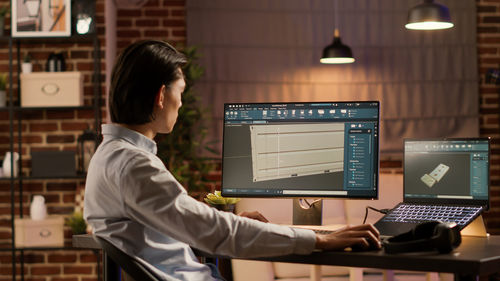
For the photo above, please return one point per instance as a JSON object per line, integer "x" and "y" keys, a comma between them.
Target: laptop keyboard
{"x": 413, "y": 213}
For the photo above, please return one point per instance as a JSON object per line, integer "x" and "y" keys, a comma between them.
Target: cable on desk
{"x": 383, "y": 211}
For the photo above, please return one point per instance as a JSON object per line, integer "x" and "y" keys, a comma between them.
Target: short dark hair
{"x": 139, "y": 73}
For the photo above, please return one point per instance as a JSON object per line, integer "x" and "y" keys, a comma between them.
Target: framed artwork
{"x": 41, "y": 18}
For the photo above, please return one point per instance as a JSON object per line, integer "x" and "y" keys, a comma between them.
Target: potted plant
{"x": 3, "y": 87}
{"x": 27, "y": 66}
{"x": 3, "y": 12}
{"x": 184, "y": 151}
{"x": 77, "y": 223}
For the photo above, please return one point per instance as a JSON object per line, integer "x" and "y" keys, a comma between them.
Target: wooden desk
{"x": 475, "y": 258}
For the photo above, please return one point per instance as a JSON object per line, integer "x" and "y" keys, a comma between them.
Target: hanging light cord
{"x": 383, "y": 211}
{"x": 336, "y": 15}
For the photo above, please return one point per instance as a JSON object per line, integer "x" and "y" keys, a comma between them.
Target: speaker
{"x": 428, "y": 236}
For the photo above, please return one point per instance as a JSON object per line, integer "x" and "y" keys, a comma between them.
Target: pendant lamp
{"x": 337, "y": 53}
{"x": 429, "y": 16}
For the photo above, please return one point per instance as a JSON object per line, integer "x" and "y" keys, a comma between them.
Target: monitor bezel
{"x": 348, "y": 196}
{"x": 472, "y": 202}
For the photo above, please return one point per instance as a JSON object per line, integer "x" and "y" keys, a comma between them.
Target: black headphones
{"x": 428, "y": 236}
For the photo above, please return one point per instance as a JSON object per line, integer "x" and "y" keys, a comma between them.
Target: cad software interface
{"x": 447, "y": 169}
{"x": 301, "y": 149}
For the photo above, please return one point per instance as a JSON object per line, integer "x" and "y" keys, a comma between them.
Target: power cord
{"x": 383, "y": 211}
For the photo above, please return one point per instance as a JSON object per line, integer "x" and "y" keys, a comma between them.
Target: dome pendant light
{"x": 337, "y": 53}
{"x": 429, "y": 16}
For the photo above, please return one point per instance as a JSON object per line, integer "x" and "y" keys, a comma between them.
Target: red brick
{"x": 77, "y": 269}
{"x": 88, "y": 258}
{"x": 174, "y": 3}
{"x": 160, "y": 13}
{"x": 174, "y": 23}
{"x": 489, "y": 40}
{"x": 52, "y": 198}
{"x": 60, "y": 139}
{"x": 60, "y": 114}
{"x": 45, "y": 270}
{"x": 178, "y": 13}
{"x": 31, "y": 139}
{"x": 59, "y": 210}
{"x": 486, "y": 9}
{"x": 80, "y": 54}
{"x": 81, "y": 66}
{"x": 34, "y": 258}
{"x": 64, "y": 279}
{"x": 491, "y": 19}
{"x": 5, "y": 258}
{"x": 64, "y": 186}
{"x": 152, "y": 3}
{"x": 74, "y": 126}
{"x": 122, "y": 13}
{"x": 128, "y": 33}
{"x": 156, "y": 33}
{"x": 147, "y": 23}
{"x": 179, "y": 33}
{"x": 62, "y": 258}
{"x": 487, "y": 50}
{"x": 32, "y": 187}
{"x": 43, "y": 127}
{"x": 68, "y": 198}
{"x": 5, "y": 235}
{"x": 124, "y": 23}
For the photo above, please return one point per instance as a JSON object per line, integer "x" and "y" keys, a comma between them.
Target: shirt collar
{"x": 116, "y": 131}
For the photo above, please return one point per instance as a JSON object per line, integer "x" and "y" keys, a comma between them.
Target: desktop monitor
{"x": 303, "y": 149}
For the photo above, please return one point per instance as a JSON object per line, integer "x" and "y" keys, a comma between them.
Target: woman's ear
{"x": 160, "y": 97}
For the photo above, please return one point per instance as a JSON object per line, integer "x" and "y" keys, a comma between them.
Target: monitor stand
{"x": 307, "y": 213}
{"x": 475, "y": 228}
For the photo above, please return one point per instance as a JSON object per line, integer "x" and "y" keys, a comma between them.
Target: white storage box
{"x": 51, "y": 89}
{"x": 43, "y": 233}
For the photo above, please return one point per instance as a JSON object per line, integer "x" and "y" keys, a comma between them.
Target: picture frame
{"x": 41, "y": 18}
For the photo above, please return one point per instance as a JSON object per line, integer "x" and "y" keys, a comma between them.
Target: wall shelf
{"x": 15, "y": 128}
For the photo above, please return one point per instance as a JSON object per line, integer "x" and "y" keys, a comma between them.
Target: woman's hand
{"x": 359, "y": 237}
{"x": 253, "y": 215}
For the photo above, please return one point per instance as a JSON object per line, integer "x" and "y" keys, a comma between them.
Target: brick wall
{"x": 42, "y": 130}
{"x": 48, "y": 130}
{"x": 488, "y": 38}
{"x": 165, "y": 20}
{"x": 158, "y": 19}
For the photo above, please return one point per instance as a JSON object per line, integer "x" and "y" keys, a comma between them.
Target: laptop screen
{"x": 452, "y": 171}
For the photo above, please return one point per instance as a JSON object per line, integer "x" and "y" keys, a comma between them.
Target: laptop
{"x": 444, "y": 180}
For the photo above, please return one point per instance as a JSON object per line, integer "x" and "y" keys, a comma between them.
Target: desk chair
{"x": 130, "y": 265}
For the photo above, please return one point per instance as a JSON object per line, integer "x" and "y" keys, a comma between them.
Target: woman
{"x": 134, "y": 202}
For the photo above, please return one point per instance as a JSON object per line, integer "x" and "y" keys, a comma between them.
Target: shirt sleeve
{"x": 152, "y": 196}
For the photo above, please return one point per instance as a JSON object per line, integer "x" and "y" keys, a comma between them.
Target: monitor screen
{"x": 313, "y": 149}
{"x": 448, "y": 170}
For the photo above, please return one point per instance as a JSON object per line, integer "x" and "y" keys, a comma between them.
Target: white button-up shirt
{"x": 133, "y": 201}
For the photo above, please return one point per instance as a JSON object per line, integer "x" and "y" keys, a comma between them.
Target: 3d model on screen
{"x": 283, "y": 151}
{"x": 436, "y": 175}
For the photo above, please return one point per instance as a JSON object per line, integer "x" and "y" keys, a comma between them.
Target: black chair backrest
{"x": 129, "y": 264}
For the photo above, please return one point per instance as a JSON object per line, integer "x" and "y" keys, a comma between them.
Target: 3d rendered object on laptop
{"x": 436, "y": 175}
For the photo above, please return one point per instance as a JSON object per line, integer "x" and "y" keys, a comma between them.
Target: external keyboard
{"x": 417, "y": 213}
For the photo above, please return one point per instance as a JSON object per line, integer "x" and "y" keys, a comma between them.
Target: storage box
{"x": 51, "y": 89}
{"x": 53, "y": 163}
{"x": 44, "y": 233}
